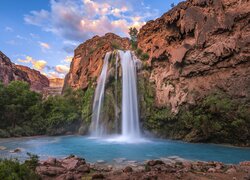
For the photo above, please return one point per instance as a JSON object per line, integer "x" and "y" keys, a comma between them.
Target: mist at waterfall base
{"x": 130, "y": 131}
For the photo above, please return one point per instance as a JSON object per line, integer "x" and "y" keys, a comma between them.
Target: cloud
{"x": 11, "y": 42}
{"x": 35, "y": 36}
{"x": 68, "y": 59}
{"x": 79, "y": 20}
{"x": 36, "y": 64}
{"x": 63, "y": 69}
{"x": 54, "y": 74}
{"x": 44, "y": 45}
{"x": 37, "y": 18}
{"x": 39, "y": 65}
{"x": 21, "y": 37}
{"x": 8, "y": 29}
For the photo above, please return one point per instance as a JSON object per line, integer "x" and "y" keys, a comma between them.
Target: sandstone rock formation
{"x": 11, "y": 72}
{"x": 88, "y": 59}
{"x": 55, "y": 87}
{"x": 38, "y": 82}
{"x": 56, "y": 82}
{"x": 198, "y": 47}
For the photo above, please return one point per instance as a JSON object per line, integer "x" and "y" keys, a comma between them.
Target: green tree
{"x": 133, "y": 32}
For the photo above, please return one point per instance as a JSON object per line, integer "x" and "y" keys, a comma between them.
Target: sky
{"x": 42, "y": 34}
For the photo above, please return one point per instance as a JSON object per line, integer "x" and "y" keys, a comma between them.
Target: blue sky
{"x": 42, "y": 34}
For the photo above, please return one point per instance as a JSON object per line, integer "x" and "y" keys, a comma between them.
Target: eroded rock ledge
{"x": 76, "y": 168}
{"x": 88, "y": 59}
{"x": 198, "y": 47}
{"x": 12, "y": 72}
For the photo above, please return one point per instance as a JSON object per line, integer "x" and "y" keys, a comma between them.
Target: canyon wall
{"x": 88, "y": 59}
{"x": 9, "y": 72}
{"x": 198, "y": 47}
{"x": 38, "y": 82}
{"x": 12, "y": 72}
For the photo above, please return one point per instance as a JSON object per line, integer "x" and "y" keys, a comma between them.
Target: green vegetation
{"x": 25, "y": 113}
{"x": 216, "y": 118}
{"x": 115, "y": 45}
{"x": 12, "y": 169}
{"x": 144, "y": 56}
{"x": 133, "y": 32}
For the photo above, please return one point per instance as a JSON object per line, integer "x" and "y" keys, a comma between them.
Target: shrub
{"x": 144, "y": 56}
{"x": 138, "y": 52}
{"x": 32, "y": 161}
{"x": 115, "y": 45}
{"x": 12, "y": 169}
{"x": 4, "y": 133}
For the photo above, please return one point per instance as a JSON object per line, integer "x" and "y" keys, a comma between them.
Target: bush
{"x": 138, "y": 52}
{"x": 115, "y": 45}
{"x": 4, "y": 133}
{"x": 32, "y": 161}
{"x": 12, "y": 169}
{"x": 144, "y": 56}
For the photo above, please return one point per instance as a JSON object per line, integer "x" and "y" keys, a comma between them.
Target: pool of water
{"x": 109, "y": 149}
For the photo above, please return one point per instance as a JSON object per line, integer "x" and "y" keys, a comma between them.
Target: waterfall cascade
{"x": 129, "y": 115}
{"x": 96, "y": 126}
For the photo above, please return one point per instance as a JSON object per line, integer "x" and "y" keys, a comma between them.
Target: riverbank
{"x": 74, "y": 167}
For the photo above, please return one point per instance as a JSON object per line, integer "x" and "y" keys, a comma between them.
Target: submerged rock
{"x": 2, "y": 148}
{"x": 17, "y": 150}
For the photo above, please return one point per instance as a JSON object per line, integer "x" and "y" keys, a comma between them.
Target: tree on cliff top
{"x": 133, "y": 32}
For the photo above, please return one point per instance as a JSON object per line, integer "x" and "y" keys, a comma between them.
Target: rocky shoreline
{"x": 76, "y": 168}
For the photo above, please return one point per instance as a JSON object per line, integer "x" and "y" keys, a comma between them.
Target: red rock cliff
{"x": 9, "y": 72}
{"x": 37, "y": 81}
{"x": 88, "y": 59}
{"x": 198, "y": 47}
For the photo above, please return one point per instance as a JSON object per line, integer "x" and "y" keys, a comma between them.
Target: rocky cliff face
{"x": 198, "y": 47}
{"x": 11, "y": 72}
{"x": 88, "y": 59}
{"x": 56, "y": 82}
{"x": 55, "y": 87}
{"x": 37, "y": 81}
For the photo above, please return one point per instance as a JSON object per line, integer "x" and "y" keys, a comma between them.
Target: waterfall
{"x": 96, "y": 127}
{"x": 130, "y": 115}
{"x": 116, "y": 94}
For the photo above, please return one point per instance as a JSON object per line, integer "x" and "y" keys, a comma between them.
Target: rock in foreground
{"x": 76, "y": 168}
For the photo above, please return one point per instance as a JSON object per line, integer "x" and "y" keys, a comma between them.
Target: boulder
{"x": 155, "y": 162}
{"x": 245, "y": 163}
{"x": 128, "y": 169}
{"x": 231, "y": 171}
{"x": 211, "y": 170}
{"x": 97, "y": 176}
